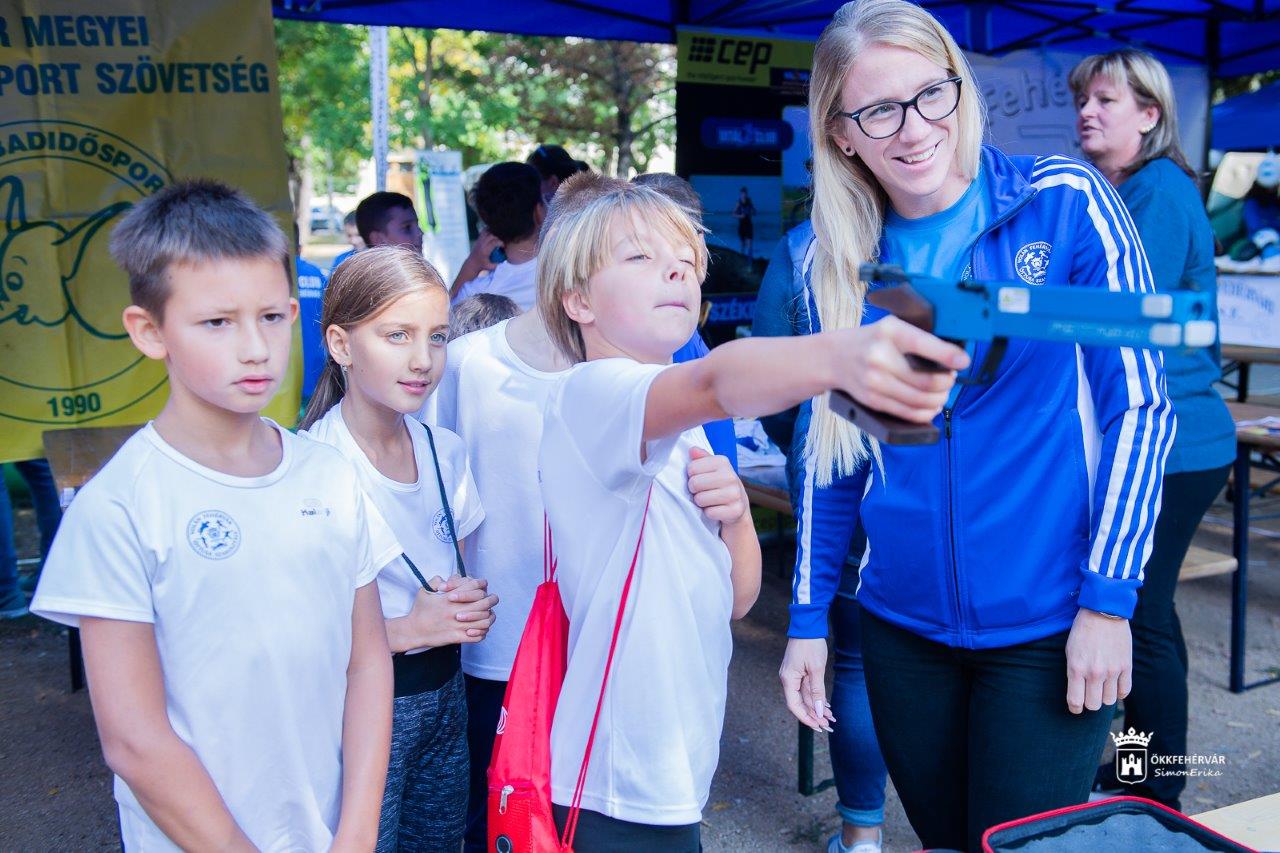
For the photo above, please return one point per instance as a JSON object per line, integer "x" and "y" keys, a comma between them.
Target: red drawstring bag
{"x": 520, "y": 818}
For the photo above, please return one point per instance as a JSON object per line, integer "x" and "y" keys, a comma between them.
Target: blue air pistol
{"x": 995, "y": 311}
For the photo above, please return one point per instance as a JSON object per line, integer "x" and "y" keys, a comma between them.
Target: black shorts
{"x": 746, "y": 230}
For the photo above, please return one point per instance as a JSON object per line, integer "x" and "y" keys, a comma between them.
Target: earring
{"x": 848, "y": 152}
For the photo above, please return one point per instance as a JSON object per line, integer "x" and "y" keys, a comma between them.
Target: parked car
{"x": 325, "y": 219}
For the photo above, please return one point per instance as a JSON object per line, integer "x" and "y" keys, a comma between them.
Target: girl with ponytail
{"x": 386, "y": 321}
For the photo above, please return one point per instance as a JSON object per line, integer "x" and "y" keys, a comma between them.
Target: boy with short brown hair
{"x": 220, "y": 569}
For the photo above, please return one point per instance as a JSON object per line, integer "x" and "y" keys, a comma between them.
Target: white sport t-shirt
{"x": 249, "y": 583}
{"x": 517, "y": 282}
{"x": 413, "y": 510}
{"x": 659, "y": 737}
{"x": 494, "y": 401}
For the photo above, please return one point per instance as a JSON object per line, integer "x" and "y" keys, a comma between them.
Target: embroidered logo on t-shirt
{"x": 213, "y": 534}
{"x": 441, "y": 527}
{"x": 1032, "y": 262}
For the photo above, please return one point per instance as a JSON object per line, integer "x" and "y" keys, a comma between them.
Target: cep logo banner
{"x": 98, "y": 111}
{"x": 742, "y": 60}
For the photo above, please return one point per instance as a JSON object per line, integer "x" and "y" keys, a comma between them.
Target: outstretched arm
{"x": 753, "y": 377}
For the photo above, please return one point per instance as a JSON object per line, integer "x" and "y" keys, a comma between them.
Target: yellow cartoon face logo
{"x": 64, "y": 355}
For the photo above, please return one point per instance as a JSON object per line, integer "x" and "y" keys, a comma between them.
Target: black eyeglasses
{"x": 934, "y": 103}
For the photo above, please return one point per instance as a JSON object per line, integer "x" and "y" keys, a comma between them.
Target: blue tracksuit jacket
{"x": 1042, "y": 496}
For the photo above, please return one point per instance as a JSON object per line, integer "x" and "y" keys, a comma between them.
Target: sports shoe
{"x": 836, "y": 845}
{"x": 13, "y": 606}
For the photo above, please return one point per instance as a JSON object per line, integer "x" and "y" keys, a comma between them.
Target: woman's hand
{"x": 872, "y": 367}
{"x": 1099, "y": 661}
{"x": 716, "y": 488}
{"x": 803, "y": 673}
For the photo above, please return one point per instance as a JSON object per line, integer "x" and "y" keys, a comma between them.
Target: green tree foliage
{"x": 1229, "y": 87}
{"x": 442, "y": 94}
{"x": 490, "y": 96}
{"x": 617, "y": 98}
{"x": 324, "y": 93}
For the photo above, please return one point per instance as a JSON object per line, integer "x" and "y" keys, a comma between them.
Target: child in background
{"x": 507, "y": 198}
{"x": 311, "y": 284}
{"x": 388, "y": 219}
{"x": 386, "y": 318}
{"x": 480, "y": 312}
{"x": 351, "y": 231}
{"x": 619, "y": 288}
{"x": 492, "y": 393}
{"x": 555, "y": 165}
{"x": 220, "y": 569}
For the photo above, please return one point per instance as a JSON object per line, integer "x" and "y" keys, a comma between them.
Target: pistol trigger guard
{"x": 986, "y": 373}
{"x": 920, "y": 364}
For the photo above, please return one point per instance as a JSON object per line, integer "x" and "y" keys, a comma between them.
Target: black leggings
{"x": 1158, "y": 702}
{"x": 598, "y": 833}
{"x": 976, "y": 737}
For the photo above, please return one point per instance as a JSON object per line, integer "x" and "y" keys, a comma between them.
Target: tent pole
{"x": 378, "y": 102}
{"x": 1212, "y": 57}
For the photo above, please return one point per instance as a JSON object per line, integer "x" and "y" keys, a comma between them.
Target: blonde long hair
{"x": 848, "y": 202}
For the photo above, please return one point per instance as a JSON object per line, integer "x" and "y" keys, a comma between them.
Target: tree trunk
{"x": 424, "y": 93}
{"x": 622, "y": 90}
{"x": 624, "y": 138}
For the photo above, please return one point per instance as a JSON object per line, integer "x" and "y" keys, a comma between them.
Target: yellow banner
{"x": 738, "y": 59}
{"x": 98, "y": 111}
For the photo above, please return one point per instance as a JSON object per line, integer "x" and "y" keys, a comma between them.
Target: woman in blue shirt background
{"x": 1128, "y": 126}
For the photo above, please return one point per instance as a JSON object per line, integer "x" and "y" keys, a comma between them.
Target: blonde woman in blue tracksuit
{"x": 1002, "y": 563}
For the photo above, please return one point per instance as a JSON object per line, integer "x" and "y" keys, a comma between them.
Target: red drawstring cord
{"x": 575, "y": 807}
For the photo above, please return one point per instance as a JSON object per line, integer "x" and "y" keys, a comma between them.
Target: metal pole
{"x": 1239, "y": 580}
{"x": 378, "y": 102}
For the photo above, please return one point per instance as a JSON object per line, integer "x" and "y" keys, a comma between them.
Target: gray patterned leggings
{"x": 425, "y": 804}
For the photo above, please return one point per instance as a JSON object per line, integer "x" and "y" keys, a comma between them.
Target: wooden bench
{"x": 1255, "y": 449}
{"x": 1254, "y": 823}
{"x": 1238, "y": 359}
{"x": 1203, "y": 563}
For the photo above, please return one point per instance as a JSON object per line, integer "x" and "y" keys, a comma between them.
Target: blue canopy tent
{"x": 1248, "y": 122}
{"x": 1229, "y": 37}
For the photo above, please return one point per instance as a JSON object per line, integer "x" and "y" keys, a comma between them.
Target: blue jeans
{"x": 855, "y": 752}
{"x": 48, "y": 513}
